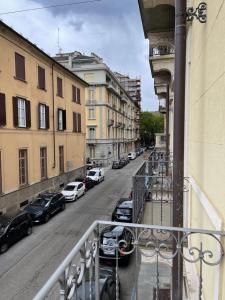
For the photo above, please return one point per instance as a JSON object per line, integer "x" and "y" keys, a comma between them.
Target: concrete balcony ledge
{"x": 91, "y": 102}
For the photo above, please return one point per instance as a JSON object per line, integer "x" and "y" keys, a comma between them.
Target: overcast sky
{"x": 110, "y": 28}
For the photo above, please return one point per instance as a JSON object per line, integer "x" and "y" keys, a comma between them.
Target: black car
{"x": 107, "y": 285}
{"x": 14, "y": 227}
{"x": 123, "y": 211}
{"x": 88, "y": 182}
{"x": 45, "y": 205}
{"x": 110, "y": 236}
{"x": 123, "y": 162}
{"x": 116, "y": 165}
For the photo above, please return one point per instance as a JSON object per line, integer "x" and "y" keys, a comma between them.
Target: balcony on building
{"x": 110, "y": 122}
{"x": 91, "y": 102}
{"x": 150, "y": 244}
{"x": 162, "y": 106}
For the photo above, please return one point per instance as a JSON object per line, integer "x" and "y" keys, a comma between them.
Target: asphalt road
{"x": 28, "y": 264}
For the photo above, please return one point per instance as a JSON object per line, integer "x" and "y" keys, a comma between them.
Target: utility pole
{"x": 178, "y": 144}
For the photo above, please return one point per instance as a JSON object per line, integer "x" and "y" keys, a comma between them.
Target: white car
{"x": 131, "y": 155}
{"x": 73, "y": 191}
{"x": 96, "y": 174}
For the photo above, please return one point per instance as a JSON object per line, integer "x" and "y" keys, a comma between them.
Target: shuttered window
{"x": 2, "y": 110}
{"x": 61, "y": 119}
{"x": 78, "y": 95}
{"x": 76, "y": 122}
{"x": 59, "y": 87}
{"x": 43, "y": 162}
{"x": 74, "y": 93}
{"x": 61, "y": 159}
{"x": 20, "y": 66}
{"x": 23, "y": 167}
{"x": 41, "y": 78}
{"x": 43, "y": 116}
{"x": 21, "y": 113}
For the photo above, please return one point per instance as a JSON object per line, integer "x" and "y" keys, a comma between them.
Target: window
{"x": 21, "y": 113}
{"x": 91, "y": 113}
{"x": 77, "y": 122}
{"x": 61, "y": 119}
{"x": 91, "y": 95}
{"x": 92, "y": 134}
{"x": 75, "y": 94}
{"x": 61, "y": 159}
{"x": 23, "y": 167}
{"x": 19, "y": 66}
{"x": 59, "y": 87}
{"x": 43, "y": 162}
{"x": 41, "y": 78}
{"x": 92, "y": 152}
{"x": 43, "y": 113}
{"x": 2, "y": 110}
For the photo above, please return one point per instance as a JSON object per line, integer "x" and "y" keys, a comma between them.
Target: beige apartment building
{"x": 204, "y": 163}
{"x": 112, "y": 115}
{"x": 42, "y": 121}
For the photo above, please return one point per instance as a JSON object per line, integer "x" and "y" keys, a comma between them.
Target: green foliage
{"x": 150, "y": 123}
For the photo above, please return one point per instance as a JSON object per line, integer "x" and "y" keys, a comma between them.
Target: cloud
{"x": 110, "y": 28}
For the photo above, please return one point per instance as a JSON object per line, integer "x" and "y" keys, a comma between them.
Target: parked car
{"x": 107, "y": 285}
{"x": 73, "y": 191}
{"x": 131, "y": 155}
{"x": 116, "y": 165}
{"x": 14, "y": 227}
{"x": 90, "y": 165}
{"x": 88, "y": 182}
{"x": 123, "y": 161}
{"x": 123, "y": 211}
{"x": 108, "y": 240}
{"x": 96, "y": 174}
{"x": 44, "y": 206}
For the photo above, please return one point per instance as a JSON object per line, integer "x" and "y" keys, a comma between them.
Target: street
{"x": 28, "y": 264}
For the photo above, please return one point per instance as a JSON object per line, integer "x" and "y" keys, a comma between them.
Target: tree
{"x": 150, "y": 123}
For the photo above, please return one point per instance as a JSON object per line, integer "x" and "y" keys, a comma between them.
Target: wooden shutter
{"x": 78, "y": 95}
{"x": 79, "y": 122}
{"x": 41, "y": 78}
{"x": 20, "y": 66}
{"x": 74, "y": 93}
{"x": 74, "y": 122}
{"x": 2, "y": 110}
{"x": 47, "y": 116}
{"x": 59, "y": 87}
{"x": 64, "y": 119}
{"x": 28, "y": 114}
{"x": 15, "y": 111}
{"x": 39, "y": 115}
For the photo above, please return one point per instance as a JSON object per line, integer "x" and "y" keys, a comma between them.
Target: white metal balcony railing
{"x": 69, "y": 281}
{"x": 91, "y": 102}
{"x": 79, "y": 276}
{"x": 161, "y": 50}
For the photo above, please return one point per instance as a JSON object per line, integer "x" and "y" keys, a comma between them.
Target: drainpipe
{"x": 167, "y": 129}
{"x": 178, "y": 144}
{"x": 53, "y": 107}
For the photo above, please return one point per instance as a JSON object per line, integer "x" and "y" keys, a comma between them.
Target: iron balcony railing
{"x": 151, "y": 255}
{"x": 161, "y": 50}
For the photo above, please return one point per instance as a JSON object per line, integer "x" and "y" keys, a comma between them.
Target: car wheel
{"x": 103, "y": 178}
{"x": 29, "y": 230}
{"x": 75, "y": 198}
{"x": 4, "y": 247}
{"x": 63, "y": 206}
{"x": 46, "y": 218}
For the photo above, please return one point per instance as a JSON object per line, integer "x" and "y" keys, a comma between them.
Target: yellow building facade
{"x": 112, "y": 116}
{"x": 204, "y": 163}
{"x": 42, "y": 121}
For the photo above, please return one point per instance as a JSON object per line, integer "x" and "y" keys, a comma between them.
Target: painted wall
{"x": 206, "y": 129}
{"x": 12, "y": 139}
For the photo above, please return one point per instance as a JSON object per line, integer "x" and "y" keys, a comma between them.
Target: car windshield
{"x": 41, "y": 201}
{"x": 92, "y": 173}
{"x": 70, "y": 188}
{"x": 123, "y": 211}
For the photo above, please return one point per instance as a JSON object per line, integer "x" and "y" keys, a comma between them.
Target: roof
{"x": 43, "y": 53}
